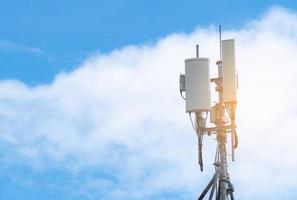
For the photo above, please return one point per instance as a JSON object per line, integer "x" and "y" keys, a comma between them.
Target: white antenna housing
{"x": 229, "y": 71}
{"x": 197, "y": 85}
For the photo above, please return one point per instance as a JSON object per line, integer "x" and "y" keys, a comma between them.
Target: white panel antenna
{"x": 229, "y": 71}
{"x": 197, "y": 84}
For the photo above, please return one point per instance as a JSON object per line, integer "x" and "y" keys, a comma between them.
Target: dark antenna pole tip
{"x": 197, "y": 50}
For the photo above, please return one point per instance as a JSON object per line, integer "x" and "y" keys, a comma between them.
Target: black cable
{"x": 200, "y": 138}
{"x": 196, "y": 131}
{"x": 181, "y": 94}
{"x": 200, "y": 161}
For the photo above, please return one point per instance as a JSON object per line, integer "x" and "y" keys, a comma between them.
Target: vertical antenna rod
{"x": 197, "y": 50}
{"x": 220, "y": 33}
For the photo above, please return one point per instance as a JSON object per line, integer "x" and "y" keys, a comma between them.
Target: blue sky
{"x": 88, "y": 88}
{"x": 66, "y": 32}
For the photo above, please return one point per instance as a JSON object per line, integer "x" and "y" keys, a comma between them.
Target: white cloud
{"x": 122, "y": 111}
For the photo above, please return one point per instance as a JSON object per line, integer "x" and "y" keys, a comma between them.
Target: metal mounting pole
{"x": 221, "y": 138}
{"x": 220, "y": 180}
{"x": 224, "y": 181}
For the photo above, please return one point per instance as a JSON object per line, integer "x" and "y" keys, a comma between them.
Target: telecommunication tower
{"x": 195, "y": 83}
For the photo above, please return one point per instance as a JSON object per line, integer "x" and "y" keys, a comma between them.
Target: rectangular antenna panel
{"x": 197, "y": 84}
{"x": 229, "y": 71}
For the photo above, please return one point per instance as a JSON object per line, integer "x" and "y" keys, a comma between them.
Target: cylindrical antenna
{"x": 220, "y": 35}
{"x": 197, "y": 50}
